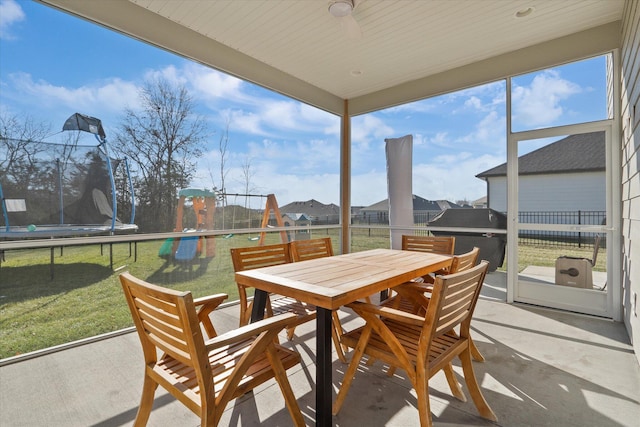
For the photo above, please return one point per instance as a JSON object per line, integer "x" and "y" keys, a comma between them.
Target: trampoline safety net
{"x": 64, "y": 189}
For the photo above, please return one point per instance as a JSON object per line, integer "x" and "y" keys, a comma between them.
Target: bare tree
{"x": 20, "y": 144}
{"x": 223, "y": 144}
{"x": 222, "y": 147}
{"x": 23, "y": 128}
{"x": 162, "y": 140}
{"x": 247, "y": 174}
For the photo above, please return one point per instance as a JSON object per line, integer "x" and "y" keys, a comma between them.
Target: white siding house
{"x": 552, "y": 192}
{"x": 565, "y": 176}
{"x": 630, "y": 168}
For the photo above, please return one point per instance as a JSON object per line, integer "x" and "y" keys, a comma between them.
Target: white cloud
{"x": 540, "y": 104}
{"x": 112, "y": 95}
{"x": 245, "y": 122}
{"x": 452, "y": 177}
{"x": 369, "y": 128}
{"x": 473, "y": 102}
{"x": 10, "y": 13}
{"x": 282, "y": 116}
{"x": 208, "y": 84}
{"x": 170, "y": 73}
{"x": 494, "y": 91}
{"x": 368, "y": 188}
{"x": 490, "y": 131}
{"x": 440, "y": 139}
{"x": 422, "y": 107}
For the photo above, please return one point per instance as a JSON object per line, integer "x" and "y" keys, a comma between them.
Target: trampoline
{"x": 53, "y": 190}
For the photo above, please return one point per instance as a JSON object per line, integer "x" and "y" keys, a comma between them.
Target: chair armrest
{"x": 421, "y": 287}
{"x": 204, "y": 307}
{"x": 251, "y": 330}
{"x": 213, "y": 299}
{"x": 387, "y": 312}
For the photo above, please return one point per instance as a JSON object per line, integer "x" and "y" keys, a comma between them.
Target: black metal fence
{"x": 531, "y": 237}
{"x": 561, "y": 238}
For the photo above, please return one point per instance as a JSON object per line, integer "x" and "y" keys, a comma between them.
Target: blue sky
{"x": 53, "y": 65}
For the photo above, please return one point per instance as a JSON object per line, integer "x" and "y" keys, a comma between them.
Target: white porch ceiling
{"x": 408, "y": 49}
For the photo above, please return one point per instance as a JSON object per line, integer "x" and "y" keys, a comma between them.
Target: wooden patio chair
{"x": 413, "y": 297}
{"x": 422, "y": 346}
{"x": 203, "y": 375}
{"x": 266, "y": 256}
{"x": 435, "y": 244}
{"x": 302, "y": 250}
{"x": 444, "y": 245}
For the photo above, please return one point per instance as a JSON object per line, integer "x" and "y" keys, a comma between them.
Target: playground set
{"x": 186, "y": 250}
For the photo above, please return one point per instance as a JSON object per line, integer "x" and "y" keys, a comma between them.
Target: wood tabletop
{"x": 332, "y": 282}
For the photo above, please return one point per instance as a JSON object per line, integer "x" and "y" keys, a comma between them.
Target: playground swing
{"x": 247, "y": 207}
{"x": 250, "y": 222}
{"x": 270, "y": 205}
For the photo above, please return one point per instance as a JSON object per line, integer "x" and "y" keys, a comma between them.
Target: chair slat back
{"x": 166, "y": 320}
{"x": 260, "y": 256}
{"x": 436, "y": 244}
{"x": 464, "y": 261}
{"x": 454, "y": 298}
{"x": 302, "y": 250}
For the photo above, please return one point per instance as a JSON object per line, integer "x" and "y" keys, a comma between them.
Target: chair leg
{"x": 474, "y": 389}
{"x": 351, "y": 370}
{"x": 475, "y": 353}
{"x": 454, "y": 385}
{"x": 422, "y": 390}
{"x": 146, "y": 402}
{"x": 391, "y": 371}
{"x": 281, "y": 377}
{"x": 290, "y": 331}
{"x": 245, "y": 312}
{"x": 336, "y": 333}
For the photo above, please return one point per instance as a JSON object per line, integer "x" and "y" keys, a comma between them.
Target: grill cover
{"x": 492, "y": 246}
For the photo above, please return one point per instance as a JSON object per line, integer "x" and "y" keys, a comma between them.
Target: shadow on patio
{"x": 543, "y": 368}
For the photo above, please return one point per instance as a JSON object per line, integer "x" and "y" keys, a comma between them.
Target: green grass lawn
{"x": 84, "y": 298}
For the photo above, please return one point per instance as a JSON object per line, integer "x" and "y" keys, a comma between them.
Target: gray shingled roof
{"x": 575, "y": 153}
{"x": 311, "y": 208}
{"x": 419, "y": 204}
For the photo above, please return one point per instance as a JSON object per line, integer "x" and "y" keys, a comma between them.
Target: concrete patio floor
{"x": 543, "y": 368}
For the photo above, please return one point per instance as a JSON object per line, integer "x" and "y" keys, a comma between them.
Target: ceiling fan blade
{"x": 351, "y": 27}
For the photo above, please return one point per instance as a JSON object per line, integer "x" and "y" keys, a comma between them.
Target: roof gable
{"x": 576, "y": 153}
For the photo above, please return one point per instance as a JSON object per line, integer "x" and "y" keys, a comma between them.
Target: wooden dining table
{"x": 331, "y": 282}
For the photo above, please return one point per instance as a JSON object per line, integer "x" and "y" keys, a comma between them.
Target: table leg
{"x": 259, "y": 304}
{"x": 324, "y": 382}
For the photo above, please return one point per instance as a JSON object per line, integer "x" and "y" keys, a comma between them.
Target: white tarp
{"x": 399, "y": 169}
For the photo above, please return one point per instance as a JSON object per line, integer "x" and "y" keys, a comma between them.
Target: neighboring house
{"x": 565, "y": 176}
{"x": 423, "y": 210}
{"x": 479, "y": 203}
{"x": 313, "y": 210}
{"x": 295, "y": 219}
